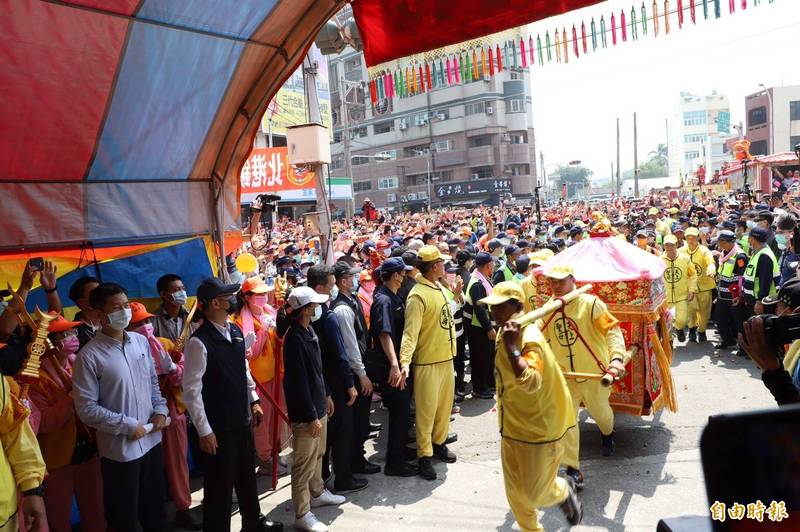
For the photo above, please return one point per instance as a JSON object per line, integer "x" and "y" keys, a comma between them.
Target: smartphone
{"x": 36, "y": 264}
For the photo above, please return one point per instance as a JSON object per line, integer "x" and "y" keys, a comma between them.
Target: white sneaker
{"x": 309, "y": 523}
{"x": 326, "y": 498}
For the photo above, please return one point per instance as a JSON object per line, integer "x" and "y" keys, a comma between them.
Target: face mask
{"x": 781, "y": 240}
{"x": 231, "y": 305}
{"x": 356, "y": 281}
{"x": 119, "y": 319}
{"x": 259, "y": 301}
{"x": 298, "y": 258}
{"x": 69, "y": 345}
{"x": 705, "y": 230}
{"x": 750, "y": 224}
{"x": 387, "y": 252}
{"x": 317, "y": 313}
{"x": 146, "y": 330}
{"x": 334, "y": 292}
{"x": 3, "y": 306}
{"x": 179, "y": 297}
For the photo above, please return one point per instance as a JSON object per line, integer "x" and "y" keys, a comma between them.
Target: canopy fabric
{"x": 129, "y": 120}
{"x": 393, "y": 29}
{"x": 607, "y": 259}
{"x": 782, "y": 158}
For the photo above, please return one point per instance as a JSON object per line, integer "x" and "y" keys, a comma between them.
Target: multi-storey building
{"x": 773, "y": 120}
{"x": 464, "y": 144}
{"x": 698, "y": 133}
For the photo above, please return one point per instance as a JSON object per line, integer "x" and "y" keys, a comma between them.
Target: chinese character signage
{"x": 267, "y": 170}
{"x": 473, "y": 188}
{"x": 724, "y": 122}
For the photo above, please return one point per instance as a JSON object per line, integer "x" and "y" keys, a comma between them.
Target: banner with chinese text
{"x": 267, "y": 170}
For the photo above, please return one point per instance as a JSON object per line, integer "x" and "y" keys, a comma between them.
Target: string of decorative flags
{"x": 512, "y": 49}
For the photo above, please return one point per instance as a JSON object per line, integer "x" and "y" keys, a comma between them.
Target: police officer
{"x": 481, "y": 334}
{"x": 762, "y": 273}
{"x": 732, "y": 263}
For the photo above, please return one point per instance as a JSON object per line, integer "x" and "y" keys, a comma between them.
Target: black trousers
{"x": 232, "y": 467}
{"x": 398, "y": 402}
{"x": 460, "y": 362}
{"x": 726, "y": 318}
{"x": 481, "y": 359}
{"x": 361, "y": 410}
{"x": 134, "y": 492}
{"x": 340, "y": 441}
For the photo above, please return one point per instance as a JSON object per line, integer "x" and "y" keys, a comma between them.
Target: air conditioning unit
{"x": 489, "y": 110}
{"x": 476, "y": 176}
{"x": 441, "y": 116}
{"x": 506, "y": 138}
{"x": 403, "y": 125}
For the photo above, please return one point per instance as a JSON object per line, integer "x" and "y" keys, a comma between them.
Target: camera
{"x": 781, "y": 330}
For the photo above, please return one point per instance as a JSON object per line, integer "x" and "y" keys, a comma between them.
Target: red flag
{"x": 613, "y": 29}
{"x": 530, "y": 48}
{"x": 428, "y": 75}
{"x": 373, "y": 91}
{"x": 491, "y": 62}
{"x": 623, "y": 26}
{"x": 522, "y": 53}
{"x": 449, "y": 73}
{"x": 692, "y": 11}
{"x": 583, "y": 38}
{"x": 499, "y": 59}
{"x": 575, "y": 41}
{"x": 680, "y": 13}
{"x": 457, "y": 68}
{"x": 421, "y": 80}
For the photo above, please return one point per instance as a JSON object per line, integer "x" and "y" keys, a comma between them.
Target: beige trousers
{"x": 307, "y": 465}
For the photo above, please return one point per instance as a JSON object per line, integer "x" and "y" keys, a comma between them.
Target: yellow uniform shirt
{"x": 588, "y": 315}
{"x": 680, "y": 277}
{"x": 704, "y": 266}
{"x": 429, "y": 335}
{"x": 664, "y": 228}
{"x": 536, "y": 406}
{"x": 21, "y": 464}
{"x": 528, "y": 286}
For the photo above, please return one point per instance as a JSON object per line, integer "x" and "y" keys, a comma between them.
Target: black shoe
{"x": 356, "y": 484}
{"x": 443, "y": 453}
{"x": 452, "y": 437}
{"x": 365, "y": 467}
{"x": 483, "y": 395}
{"x": 409, "y": 454}
{"x": 265, "y": 525}
{"x": 724, "y": 345}
{"x": 373, "y": 427}
{"x": 402, "y": 469}
{"x": 693, "y": 334}
{"x": 458, "y": 399}
{"x": 572, "y": 507}
{"x": 426, "y": 469}
{"x": 608, "y": 444}
{"x": 740, "y": 353}
{"x": 681, "y": 335}
{"x": 576, "y": 476}
{"x": 186, "y": 520}
{"x": 701, "y": 337}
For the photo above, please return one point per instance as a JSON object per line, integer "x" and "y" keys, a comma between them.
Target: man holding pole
{"x": 534, "y": 412}
{"x": 585, "y": 340}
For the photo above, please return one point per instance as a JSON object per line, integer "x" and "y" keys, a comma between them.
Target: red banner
{"x": 268, "y": 170}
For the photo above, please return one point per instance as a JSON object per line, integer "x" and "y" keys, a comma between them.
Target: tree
{"x": 656, "y": 166}
{"x": 660, "y": 155}
{"x": 576, "y": 177}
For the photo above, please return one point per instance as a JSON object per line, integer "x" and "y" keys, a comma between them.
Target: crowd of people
{"x": 418, "y": 311}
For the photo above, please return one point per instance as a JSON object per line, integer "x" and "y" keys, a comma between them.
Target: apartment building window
{"x": 794, "y": 112}
{"x": 480, "y": 140}
{"x": 694, "y": 118}
{"x": 794, "y": 141}
{"x": 440, "y": 114}
{"x": 337, "y": 163}
{"x": 362, "y": 186}
{"x": 383, "y": 127}
{"x": 422, "y": 195}
{"x": 694, "y": 139}
{"x": 475, "y": 108}
{"x": 358, "y": 161}
{"x": 445, "y": 175}
{"x": 516, "y": 106}
{"x": 520, "y": 169}
{"x": 442, "y": 145}
{"x": 482, "y": 172}
{"x": 391, "y": 197}
{"x": 517, "y": 138}
{"x": 386, "y": 183}
{"x": 757, "y": 116}
{"x": 358, "y": 132}
{"x": 691, "y": 155}
{"x": 337, "y": 137}
{"x": 416, "y": 151}
{"x": 758, "y": 148}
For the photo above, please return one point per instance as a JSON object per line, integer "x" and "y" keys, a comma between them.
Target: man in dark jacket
{"x": 339, "y": 376}
{"x": 480, "y": 332}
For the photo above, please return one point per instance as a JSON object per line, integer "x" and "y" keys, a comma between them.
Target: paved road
{"x": 655, "y": 472}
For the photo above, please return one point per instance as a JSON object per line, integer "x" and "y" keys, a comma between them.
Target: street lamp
{"x": 420, "y": 153}
{"x": 771, "y": 119}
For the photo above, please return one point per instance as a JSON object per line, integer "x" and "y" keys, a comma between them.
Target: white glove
{"x": 249, "y": 340}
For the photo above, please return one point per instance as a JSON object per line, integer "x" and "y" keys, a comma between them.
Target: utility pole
{"x": 320, "y": 170}
{"x": 619, "y": 183}
{"x": 348, "y": 161}
{"x": 666, "y": 130}
{"x": 613, "y": 188}
{"x": 635, "y": 159}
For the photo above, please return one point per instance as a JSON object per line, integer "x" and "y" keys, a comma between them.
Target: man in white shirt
{"x": 222, "y": 402}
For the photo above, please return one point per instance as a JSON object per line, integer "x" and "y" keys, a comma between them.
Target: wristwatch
{"x": 38, "y": 491}
{"x": 515, "y": 353}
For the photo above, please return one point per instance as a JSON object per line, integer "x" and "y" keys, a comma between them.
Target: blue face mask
{"x": 780, "y": 240}
{"x": 750, "y": 224}
{"x": 356, "y": 281}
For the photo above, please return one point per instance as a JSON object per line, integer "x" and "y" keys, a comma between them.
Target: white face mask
{"x": 317, "y": 313}
{"x": 705, "y": 230}
{"x": 179, "y": 297}
{"x": 119, "y": 319}
{"x": 334, "y": 292}
{"x": 750, "y": 224}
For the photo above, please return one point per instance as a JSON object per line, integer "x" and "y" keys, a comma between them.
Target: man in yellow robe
{"x": 680, "y": 281}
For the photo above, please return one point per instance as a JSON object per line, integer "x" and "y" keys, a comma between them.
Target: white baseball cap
{"x": 303, "y": 295}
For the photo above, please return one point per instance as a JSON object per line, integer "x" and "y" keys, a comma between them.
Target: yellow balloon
{"x": 246, "y": 263}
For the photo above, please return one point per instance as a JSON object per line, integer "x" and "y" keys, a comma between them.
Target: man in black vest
{"x": 354, "y": 335}
{"x": 222, "y": 402}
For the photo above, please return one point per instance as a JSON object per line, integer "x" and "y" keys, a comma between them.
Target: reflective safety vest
{"x": 751, "y": 283}
{"x": 727, "y": 277}
{"x": 469, "y": 306}
{"x": 744, "y": 244}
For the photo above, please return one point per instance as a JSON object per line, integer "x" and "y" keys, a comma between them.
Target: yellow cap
{"x": 537, "y": 257}
{"x": 670, "y": 239}
{"x": 502, "y": 292}
{"x": 652, "y": 210}
{"x": 692, "y": 231}
{"x": 430, "y": 254}
{"x": 561, "y": 271}
{"x": 674, "y": 210}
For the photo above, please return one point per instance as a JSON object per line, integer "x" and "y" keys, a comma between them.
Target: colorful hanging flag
{"x": 565, "y": 44}
{"x": 549, "y": 48}
{"x": 644, "y": 19}
{"x": 491, "y": 61}
{"x": 449, "y": 72}
{"x": 558, "y": 47}
{"x": 666, "y": 17}
{"x": 634, "y": 29}
{"x": 613, "y": 29}
{"x": 513, "y": 53}
{"x": 484, "y": 69}
{"x": 522, "y": 53}
{"x": 594, "y": 36}
{"x": 457, "y": 67}
{"x": 373, "y": 91}
{"x": 506, "y": 60}
{"x": 692, "y": 12}
{"x": 539, "y": 48}
{"x": 583, "y": 38}
{"x": 428, "y": 75}
{"x": 603, "y": 32}
{"x": 717, "y": 9}
{"x": 655, "y": 18}
{"x": 744, "y": 4}
{"x": 475, "y": 75}
{"x": 411, "y": 81}
{"x": 680, "y": 14}
{"x": 421, "y": 79}
{"x": 575, "y": 41}
{"x": 392, "y": 93}
{"x": 623, "y": 26}
{"x": 530, "y": 49}
{"x": 499, "y": 60}
{"x": 705, "y": 9}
